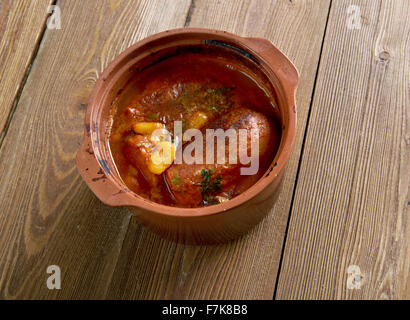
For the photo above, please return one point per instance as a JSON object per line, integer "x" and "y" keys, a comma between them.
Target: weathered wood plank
{"x": 47, "y": 214}
{"x": 153, "y": 268}
{"x": 351, "y": 204}
{"x": 21, "y": 25}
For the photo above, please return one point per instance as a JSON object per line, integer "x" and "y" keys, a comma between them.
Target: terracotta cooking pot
{"x": 205, "y": 225}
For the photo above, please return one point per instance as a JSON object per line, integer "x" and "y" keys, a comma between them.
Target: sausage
{"x": 184, "y": 180}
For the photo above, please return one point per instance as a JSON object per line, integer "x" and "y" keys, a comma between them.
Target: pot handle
{"x": 98, "y": 177}
{"x": 281, "y": 65}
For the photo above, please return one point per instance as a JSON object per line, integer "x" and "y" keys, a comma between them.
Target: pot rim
{"x": 286, "y": 75}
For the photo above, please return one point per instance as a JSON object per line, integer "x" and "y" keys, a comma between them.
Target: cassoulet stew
{"x": 162, "y": 123}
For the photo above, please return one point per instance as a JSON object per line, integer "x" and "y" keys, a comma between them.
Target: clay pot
{"x": 207, "y": 225}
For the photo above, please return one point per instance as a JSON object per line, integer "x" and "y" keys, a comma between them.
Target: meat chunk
{"x": 186, "y": 181}
{"x": 137, "y": 150}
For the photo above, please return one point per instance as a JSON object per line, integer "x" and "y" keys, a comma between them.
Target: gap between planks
{"x": 190, "y": 13}
{"x": 25, "y": 77}
{"x": 301, "y": 154}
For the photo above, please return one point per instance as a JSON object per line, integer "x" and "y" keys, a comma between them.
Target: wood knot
{"x": 384, "y": 56}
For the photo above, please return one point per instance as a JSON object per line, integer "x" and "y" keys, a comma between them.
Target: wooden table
{"x": 344, "y": 205}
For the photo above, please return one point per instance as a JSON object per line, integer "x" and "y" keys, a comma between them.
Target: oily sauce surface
{"x": 202, "y": 91}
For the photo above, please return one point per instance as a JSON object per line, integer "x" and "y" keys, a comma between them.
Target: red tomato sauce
{"x": 202, "y": 90}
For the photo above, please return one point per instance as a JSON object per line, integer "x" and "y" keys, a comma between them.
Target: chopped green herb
{"x": 153, "y": 116}
{"x": 217, "y": 99}
{"x": 176, "y": 180}
{"x": 209, "y": 186}
{"x": 212, "y": 99}
{"x": 223, "y": 90}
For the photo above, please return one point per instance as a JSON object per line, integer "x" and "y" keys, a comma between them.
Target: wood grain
{"x": 21, "y": 25}
{"x": 351, "y": 204}
{"x": 152, "y": 268}
{"x": 47, "y": 214}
